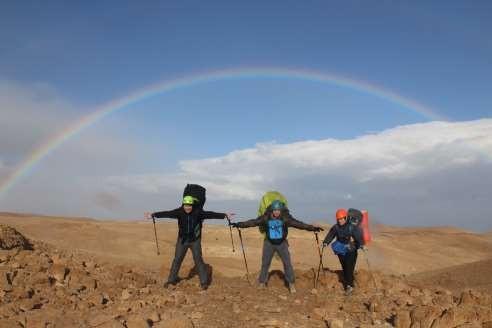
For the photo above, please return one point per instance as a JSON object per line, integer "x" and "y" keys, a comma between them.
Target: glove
{"x": 318, "y": 229}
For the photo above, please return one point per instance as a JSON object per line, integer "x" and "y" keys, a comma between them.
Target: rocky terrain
{"x": 43, "y": 285}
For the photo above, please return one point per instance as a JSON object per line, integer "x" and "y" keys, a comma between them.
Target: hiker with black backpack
{"x": 275, "y": 222}
{"x": 348, "y": 240}
{"x": 190, "y": 216}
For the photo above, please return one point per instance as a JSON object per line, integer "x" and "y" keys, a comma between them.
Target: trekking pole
{"x": 155, "y": 233}
{"x": 319, "y": 252}
{"x": 244, "y": 255}
{"x": 370, "y": 271}
{"x": 320, "y": 266}
{"x": 230, "y": 230}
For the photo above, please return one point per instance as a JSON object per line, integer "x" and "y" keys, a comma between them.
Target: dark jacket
{"x": 288, "y": 220}
{"x": 190, "y": 225}
{"x": 347, "y": 233}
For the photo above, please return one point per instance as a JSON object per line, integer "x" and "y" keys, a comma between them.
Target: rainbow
{"x": 188, "y": 81}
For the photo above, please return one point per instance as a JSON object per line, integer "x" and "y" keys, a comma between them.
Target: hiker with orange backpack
{"x": 348, "y": 241}
{"x": 190, "y": 217}
{"x": 275, "y": 222}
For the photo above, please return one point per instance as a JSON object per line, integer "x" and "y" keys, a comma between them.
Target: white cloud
{"x": 399, "y": 153}
{"x": 415, "y": 169}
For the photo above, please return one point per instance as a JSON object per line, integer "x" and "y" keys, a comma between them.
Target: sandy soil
{"x": 88, "y": 273}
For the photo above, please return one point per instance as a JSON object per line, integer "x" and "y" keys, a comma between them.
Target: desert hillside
{"x": 393, "y": 250}
{"x": 69, "y": 272}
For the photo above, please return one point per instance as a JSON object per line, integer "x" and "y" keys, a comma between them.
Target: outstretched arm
{"x": 214, "y": 215}
{"x": 174, "y": 214}
{"x": 329, "y": 236}
{"x": 250, "y": 223}
{"x": 293, "y": 222}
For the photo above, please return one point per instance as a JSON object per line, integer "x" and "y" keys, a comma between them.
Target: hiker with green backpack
{"x": 275, "y": 222}
{"x": 190, "y": 216}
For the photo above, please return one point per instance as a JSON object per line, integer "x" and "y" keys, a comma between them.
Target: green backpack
{"x": 266, "y": 200}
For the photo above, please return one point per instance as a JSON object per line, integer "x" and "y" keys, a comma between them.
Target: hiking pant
{"x": 283, "y": 251}
{"x": 179, "y": 255}
{"x": 348, "y": 265}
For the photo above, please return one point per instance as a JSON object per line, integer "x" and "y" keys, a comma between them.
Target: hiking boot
{"x": 167, "y": 284}
{"x": 261, "y": 285}
{"x": 349, "y": 290}
{"x": 292, "y": 288}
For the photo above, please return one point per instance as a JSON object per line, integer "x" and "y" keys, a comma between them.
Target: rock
{"x": 11, "y": 238}
{"x": 402, "y": 319}
{"x": 271, "y": 323}
{"x": 58, "y": 272}
{"x": 80, "y": 280}
{"x": 444, "y": 301}
{"x": 5, "y": 282}
{"x": 424, "y": 316}
{"x": 335, "y": 323}
{"x": 99, "y": 319}
{"x": 137, "y": 321}
{"x": 125, "y": 294}
{"x": 4, "y": 257}
{"x": 40, "y": 278}
{"x": 318, "y": 313}
{"x": 179, "y": 298}
{"x": 111, "y": 324}
{"x": 196, "y": 315}
{"x": 30, "y": 304}
{"x": 155, "y": 317}
{"x": 175, "y": 321}
{"x": 375, "y": 304}
{"x": 10, "y": 323}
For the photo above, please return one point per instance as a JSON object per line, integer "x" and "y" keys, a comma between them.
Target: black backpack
{"x": 197, "y": 192}
{"x": 354, "y": 217}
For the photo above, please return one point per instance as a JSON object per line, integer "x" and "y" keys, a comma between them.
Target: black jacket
{"x": 345, "y": 234}
{"x": 190, "y": 225}
{"x": 289, "y": 221}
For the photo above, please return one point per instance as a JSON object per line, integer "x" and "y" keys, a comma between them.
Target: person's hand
{"x": 325, "y": 244}
{"x": 364, "y": 248}
{"x": 318, "y": 229}
{"x": 148, "y": 215}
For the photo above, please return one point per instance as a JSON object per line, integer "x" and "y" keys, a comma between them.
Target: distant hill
{"x": 476, "y": 275}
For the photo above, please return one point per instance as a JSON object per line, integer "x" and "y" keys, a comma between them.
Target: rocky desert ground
{"x": 75, "y": 272}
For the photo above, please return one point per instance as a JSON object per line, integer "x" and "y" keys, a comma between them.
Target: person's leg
{"x": 266, "y": 260}
{"x": 196, "y": 249}
{"x": 351, "y": 260}
{"x": 283, "y": 252}
{"x": 343, "y": 263}
{"x": 179, "y": 255}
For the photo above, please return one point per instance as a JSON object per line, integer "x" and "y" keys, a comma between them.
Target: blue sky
{"x": 60, "y": 60}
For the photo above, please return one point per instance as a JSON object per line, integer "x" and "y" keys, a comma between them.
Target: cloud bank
{"x": 407, "y": 175}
